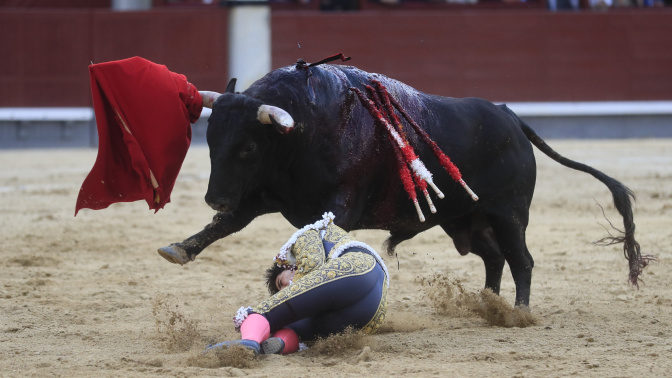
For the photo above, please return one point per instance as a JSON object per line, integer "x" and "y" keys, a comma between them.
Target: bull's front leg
{"x": 222, "y": 225}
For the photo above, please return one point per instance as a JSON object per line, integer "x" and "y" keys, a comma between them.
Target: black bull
{"x": 337, "y": 159}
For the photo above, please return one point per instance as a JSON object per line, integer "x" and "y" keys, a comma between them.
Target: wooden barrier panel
{"x": 46, "y": 54}
{"x": 499, "y": 54}
{"x": 187, "y": 41}
{"x": 502, "y": 55}
{"x": 44, "y": 58}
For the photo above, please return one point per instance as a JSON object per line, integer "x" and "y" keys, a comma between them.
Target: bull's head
{"x": 240, "y": 129}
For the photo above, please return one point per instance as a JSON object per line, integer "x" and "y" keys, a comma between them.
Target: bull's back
{"x": 485, "y": 142}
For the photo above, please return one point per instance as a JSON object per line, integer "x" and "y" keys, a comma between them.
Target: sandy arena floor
{"x": 89, "y": 296}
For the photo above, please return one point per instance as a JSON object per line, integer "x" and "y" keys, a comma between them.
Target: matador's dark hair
{"x": 271, "y": 274}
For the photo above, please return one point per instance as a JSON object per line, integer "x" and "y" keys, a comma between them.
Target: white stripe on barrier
{"x": 46, "y": 114}
{"x": 56, "y": 114}
{"x": 523, "y": 109}
{"x": 617, "y": 108}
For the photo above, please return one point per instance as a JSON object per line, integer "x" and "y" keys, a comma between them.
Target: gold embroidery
{"x": 309, "y": 253}
{"x": 336, "y": 236}
{"x": 378, "y": 319}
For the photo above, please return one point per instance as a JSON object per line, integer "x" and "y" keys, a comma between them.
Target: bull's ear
{"x": 231, "y": 87}
{"x": 272, "y": 115}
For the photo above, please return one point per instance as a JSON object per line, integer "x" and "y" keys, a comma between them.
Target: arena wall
{"x": 505, "y": 55}
{"x": 501, "y": 55}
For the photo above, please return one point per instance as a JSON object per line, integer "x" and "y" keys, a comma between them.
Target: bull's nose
{"x": 220, "y": 206}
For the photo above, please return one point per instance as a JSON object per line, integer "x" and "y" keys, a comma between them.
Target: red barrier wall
{"x": 45, "y": 54}
{"x": 44, "y": 58}
{"x": 503, "y": 55}
{"x": 500, "y": 54}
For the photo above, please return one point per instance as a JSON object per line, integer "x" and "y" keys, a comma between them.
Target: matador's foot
{"x": 249, "y": 344}
{"x": 272, "y": 345}
{"x": 175, "y": 254}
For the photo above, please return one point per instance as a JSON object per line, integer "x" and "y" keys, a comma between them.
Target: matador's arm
{"x": 309, "y": 253}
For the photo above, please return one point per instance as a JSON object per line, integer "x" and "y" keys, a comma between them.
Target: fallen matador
{"x": 323, "y": 281}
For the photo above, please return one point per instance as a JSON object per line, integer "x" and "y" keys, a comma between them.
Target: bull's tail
{"x": 622, "y": 196}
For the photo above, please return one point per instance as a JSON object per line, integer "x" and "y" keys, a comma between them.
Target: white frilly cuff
{"x": 240, "y": 316}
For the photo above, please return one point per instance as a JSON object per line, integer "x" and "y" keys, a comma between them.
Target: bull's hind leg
{"x": 475, "y": 235}
{"x": 509, "y": 227}
{"x": 484, "y": 245}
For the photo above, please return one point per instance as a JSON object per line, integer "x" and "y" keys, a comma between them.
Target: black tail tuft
{"x": 622, "y": 197}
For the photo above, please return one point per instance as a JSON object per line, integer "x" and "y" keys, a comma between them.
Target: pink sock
{"x": 290, "y": 338}
{"x": 255, "y": 327}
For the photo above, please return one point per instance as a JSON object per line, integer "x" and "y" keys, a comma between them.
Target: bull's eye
{"x": 248, "y": 150}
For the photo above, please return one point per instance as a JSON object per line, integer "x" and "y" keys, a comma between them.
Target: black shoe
{"x": 249, "y": 344}
{"x": 272, "y": 345}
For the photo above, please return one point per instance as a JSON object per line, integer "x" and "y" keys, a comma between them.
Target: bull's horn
{"x": 231, "y": 87}
{"x": 209, "y": 98}
{"x": 272, "y": 115}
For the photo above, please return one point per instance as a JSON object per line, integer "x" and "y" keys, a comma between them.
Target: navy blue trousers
{"x": 332, "y": 307}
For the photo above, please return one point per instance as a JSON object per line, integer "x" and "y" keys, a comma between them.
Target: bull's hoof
{"x": 174, "y": 254}
{"x": 524, "y": 308}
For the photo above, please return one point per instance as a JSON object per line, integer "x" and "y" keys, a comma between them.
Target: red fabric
{"x": 157, "y": 106}
{"x": 290, "y": 338}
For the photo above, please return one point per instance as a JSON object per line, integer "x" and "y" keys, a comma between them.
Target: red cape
{"x": 144, "y": 114}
